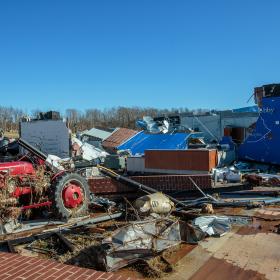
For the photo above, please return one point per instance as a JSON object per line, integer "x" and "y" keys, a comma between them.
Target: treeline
{"x": 81, "y": 120}
{"x": 117, "y": 116}
{"x": 10, "y": 117}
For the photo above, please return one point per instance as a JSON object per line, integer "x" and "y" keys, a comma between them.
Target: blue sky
{"x": 162, "y": 53}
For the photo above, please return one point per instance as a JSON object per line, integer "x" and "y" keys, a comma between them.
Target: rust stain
{"x": 197, "y": 159}
{"x": 258, "y": 226}
{"x": 215, "y": 269}
{"x": 174, "y": 256}
{"x": 129, "y": 272}
{"x": 268, "y": 214}
{"x": 228, "y": 211}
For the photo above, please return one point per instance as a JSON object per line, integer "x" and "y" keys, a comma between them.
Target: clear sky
{"x": 57, "y": 54}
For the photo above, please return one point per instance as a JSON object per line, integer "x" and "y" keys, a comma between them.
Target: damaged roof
{"x": 118, "y": 137}
{"x": 143, "y": 141}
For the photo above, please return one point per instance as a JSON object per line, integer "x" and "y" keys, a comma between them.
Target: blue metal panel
{"x": 147, "y": 141}
{"x": 263, "y": 144}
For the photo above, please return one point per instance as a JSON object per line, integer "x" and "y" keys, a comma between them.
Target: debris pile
{"x": 190, "y": 188}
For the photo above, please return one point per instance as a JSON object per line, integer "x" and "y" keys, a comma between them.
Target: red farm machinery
{"x": 29, "y": 183}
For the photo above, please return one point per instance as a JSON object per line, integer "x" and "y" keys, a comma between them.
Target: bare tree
{"x": 107, "y": 118}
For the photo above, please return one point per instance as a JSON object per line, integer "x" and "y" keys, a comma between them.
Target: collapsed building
{"x": 107, "y": 200}
{"x": 234, "y": 123}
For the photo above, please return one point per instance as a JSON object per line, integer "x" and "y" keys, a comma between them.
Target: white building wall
{"x": 213, "y": 125}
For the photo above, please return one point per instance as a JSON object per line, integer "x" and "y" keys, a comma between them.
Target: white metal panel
{"x": 50, "y": 136}
{"x": 135, "y": 164}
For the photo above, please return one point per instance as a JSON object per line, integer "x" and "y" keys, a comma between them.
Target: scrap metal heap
{"x": 126, "y": 231}
{"x": 141, "y": 232}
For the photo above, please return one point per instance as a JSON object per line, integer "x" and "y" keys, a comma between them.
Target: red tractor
{"x": 29, "y": 183}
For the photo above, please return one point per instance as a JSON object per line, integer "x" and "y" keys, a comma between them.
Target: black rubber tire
{"x": 59, "y": 208}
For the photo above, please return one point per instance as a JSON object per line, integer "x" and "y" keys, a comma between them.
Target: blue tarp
{"x": 146, "y": 141}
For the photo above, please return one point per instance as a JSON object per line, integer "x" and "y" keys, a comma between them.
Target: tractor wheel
{"x": 70, "y": 196}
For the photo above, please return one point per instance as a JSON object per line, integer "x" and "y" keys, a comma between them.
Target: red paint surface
{"x": 72, "y": 195}
{"x": 17, "y": 168}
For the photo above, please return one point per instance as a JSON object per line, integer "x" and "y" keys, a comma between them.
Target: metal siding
{"x": 118, "y": 137}
{"x": 49, "y": 136}
{"x": 200, "y": 160}
{"x": 263, "y": 144}
{"x": 98, "y": 133}
{"x": 135, "y": 164}
{"x": 213, "y": 126}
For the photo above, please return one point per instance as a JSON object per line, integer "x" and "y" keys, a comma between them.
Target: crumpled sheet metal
{"x": 218, "y": 225}
{"x": 139, "y": 240}
{"x": 102, "y": 201}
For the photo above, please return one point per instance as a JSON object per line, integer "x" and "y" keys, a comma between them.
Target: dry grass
{"x": 12, "y": 134}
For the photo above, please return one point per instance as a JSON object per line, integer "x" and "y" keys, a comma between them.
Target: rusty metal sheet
{"x": 196, "y": 159}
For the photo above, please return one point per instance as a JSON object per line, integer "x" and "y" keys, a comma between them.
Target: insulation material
{"x": 87, "y": 151}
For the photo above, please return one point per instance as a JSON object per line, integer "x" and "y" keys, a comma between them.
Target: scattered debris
{"x": 87, "y": 151}
{"x": 48, "y": 208}
{"x": 156, "y": 267}
{"x": 218, "y": 225}
{"x": 207, "y": 208}
{"x": 156, "y": 203}
{"x": 226, "y": 174}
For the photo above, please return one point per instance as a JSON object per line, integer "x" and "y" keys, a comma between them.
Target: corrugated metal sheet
{"x": 98, "y": 133}
{"x": 118, "y": 137}
{"x": 143, "y": 141}
{"x": 197, "y": 160}
{"x": 135, "y": 164}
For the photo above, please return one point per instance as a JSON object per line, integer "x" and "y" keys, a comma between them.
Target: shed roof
{"x": 146, "y": 141}
{"x": 118, "y": 137}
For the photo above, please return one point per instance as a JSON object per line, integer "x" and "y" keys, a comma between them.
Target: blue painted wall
{"x": 263, "y": 145}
